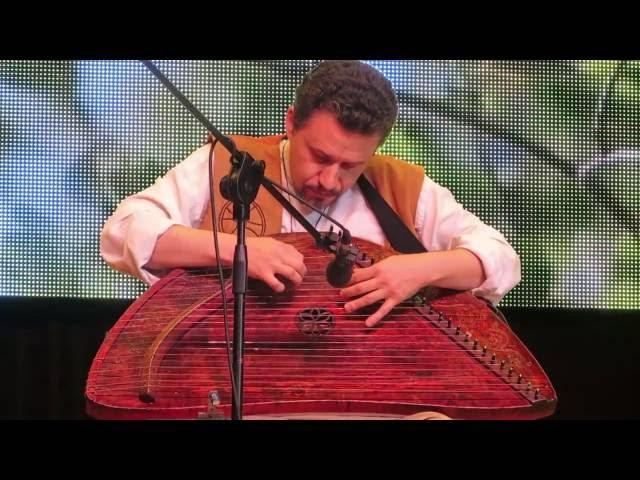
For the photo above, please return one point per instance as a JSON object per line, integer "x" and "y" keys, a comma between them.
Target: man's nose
{"x": 329, "y": 177}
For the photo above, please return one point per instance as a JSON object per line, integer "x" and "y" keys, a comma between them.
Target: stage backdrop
{"x": 548, "y": 152}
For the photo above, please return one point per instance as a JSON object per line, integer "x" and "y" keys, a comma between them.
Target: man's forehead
{"x": 337, "y": 143}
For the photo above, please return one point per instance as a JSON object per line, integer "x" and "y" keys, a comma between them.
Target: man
{"x": 342, "y": 113}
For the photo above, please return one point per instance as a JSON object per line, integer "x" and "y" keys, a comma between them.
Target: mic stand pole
{"x": 240, "y": 187}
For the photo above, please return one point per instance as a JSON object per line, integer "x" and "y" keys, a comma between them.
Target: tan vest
{"x": 398, "y": 182}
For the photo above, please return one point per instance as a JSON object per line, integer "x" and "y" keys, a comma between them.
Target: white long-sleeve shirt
{"x": 181, "y": 197}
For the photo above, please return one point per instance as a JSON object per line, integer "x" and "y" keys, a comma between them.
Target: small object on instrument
{"x": 484, "y": 350}
{"x": 519, "y": 378}
{"x": 493, "y": 358}
{"x": 363, "y": 260}
{"x": 146, "y": 397}
{"x": 475, "y": 344}
{"x": 418, "y": 301}
{"x": 212, "y": 412}
{"x": 502, "y": 363}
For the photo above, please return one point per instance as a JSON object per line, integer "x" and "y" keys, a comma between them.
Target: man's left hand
{"x": 393, "y": 280}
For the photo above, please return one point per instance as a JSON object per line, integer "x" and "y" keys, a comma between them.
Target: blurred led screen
{"x": 547, "y": 152}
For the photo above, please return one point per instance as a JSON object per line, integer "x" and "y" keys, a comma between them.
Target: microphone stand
{"x": 241, "y": 188}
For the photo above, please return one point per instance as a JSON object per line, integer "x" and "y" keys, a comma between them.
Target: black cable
{"x": 212, "y": 205}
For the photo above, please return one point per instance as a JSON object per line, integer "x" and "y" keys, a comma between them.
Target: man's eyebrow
{"x": 321, "y": 153}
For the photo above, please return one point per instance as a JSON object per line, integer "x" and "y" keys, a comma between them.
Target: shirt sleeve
{"x": 443, "y": 224}
{"x": 180, "y": 197}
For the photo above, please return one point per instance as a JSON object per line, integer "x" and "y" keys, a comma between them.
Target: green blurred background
{"x": 548, "y": 152}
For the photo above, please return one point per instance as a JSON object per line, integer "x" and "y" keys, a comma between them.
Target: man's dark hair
{"x": 361, "y": 97}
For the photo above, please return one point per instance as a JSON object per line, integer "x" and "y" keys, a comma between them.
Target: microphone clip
{"x": 340, "y": 245}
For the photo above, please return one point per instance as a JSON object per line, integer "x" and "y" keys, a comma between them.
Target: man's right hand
{"x": 268, "y": 257}
{"x": 184, "y": 247}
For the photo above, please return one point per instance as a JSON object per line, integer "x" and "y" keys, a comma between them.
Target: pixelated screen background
{"x": 548, "y": 152}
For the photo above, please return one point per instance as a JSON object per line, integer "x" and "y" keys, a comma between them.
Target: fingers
{"x": 289, "y": 263}
{"x": 368, "y": 299}
{"x": 381, "y": 312}
{"x": 295, "y": 260}
{"x": 290, "y": 273}
{"x": 360, "y": 288}
{"x": 362, "y": 274}
{"x": 273, "y": 283}
{"x": 269, "y": 259}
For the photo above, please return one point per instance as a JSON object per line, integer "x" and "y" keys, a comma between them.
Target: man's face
{"x": 325, "y": 159}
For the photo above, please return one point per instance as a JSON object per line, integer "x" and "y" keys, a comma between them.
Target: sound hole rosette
{"x": 315, "y": 321}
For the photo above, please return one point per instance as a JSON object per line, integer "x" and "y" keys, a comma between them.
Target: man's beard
{"x": 320, "y": 199}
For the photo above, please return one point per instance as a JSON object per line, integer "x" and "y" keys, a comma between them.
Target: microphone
{"x": 340, "y": 269}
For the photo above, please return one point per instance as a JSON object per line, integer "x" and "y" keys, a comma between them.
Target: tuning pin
{"x": 466, "y": 337}
{"x": 214, "y": 398}
{"x": 520, "y": 378}
{"x": 493, "y": 358}
{"x": 475, "y": 345}
{"x": 484, "y": 350}
{"x": 502, "y": 363}
{"x": 457, "y": 331}
{"x": 510, "y": 372}
{"x": 537, "y": 394}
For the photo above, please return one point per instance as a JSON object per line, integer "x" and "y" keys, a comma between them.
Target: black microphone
{"x": 340, "y": 269}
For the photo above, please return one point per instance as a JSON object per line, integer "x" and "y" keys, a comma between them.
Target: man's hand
{"x": 399, "y": 277}
{"x": 268, "y": 257}
{"x": 184, "y": 247}
{"x": 393, "y": 280}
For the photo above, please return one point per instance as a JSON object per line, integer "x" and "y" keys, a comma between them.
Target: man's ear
{"x": 288, "y": 121}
